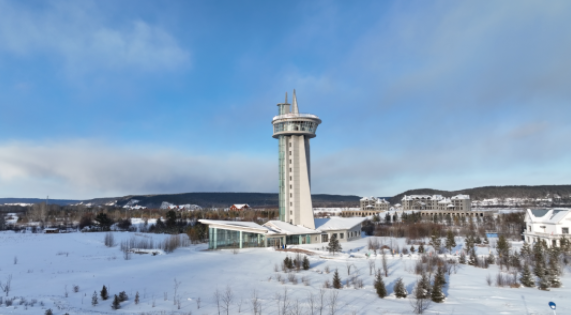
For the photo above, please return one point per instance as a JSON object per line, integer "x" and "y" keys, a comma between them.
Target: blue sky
{"x": 106, "y": 98}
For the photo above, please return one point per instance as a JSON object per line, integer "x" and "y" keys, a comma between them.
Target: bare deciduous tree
{"x": 175, "y": 287}
{"x": 227, "y": 298}
{"x": 217, "y": 300}
{"x": 371, "y": 267}
{"x": 333, "y": 295}
{"x": 282, "y": 301}
{"x": 385, "y": 266}
{"x": 6, "y": 286}
{"x": 256, "y": 306}
{"x": 297, "y": 308}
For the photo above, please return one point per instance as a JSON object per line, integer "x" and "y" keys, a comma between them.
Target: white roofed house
{"x": 345, "y": 229}
{"x": 549, "y": 225}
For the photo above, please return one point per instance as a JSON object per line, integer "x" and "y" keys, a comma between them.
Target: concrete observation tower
{"x": 293, "y": 130}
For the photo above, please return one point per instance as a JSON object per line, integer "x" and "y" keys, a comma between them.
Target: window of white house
{"x": 341, "y": 235}
{"x": 530, "y": 228}
{"x": 565, "y": 230}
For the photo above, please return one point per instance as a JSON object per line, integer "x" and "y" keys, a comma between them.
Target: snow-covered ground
{"x": 48, "y": 265}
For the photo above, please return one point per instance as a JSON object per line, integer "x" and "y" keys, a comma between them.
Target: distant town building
{"x": 436, "y": 202}
{"x": 548, "y": 225}
{"x": 374, "y": 204}
{"x": 239, "y": 207}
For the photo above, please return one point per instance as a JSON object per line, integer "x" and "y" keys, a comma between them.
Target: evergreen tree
{"x": 469, "y": 243}
{"x": 503, "y": 247}
{"x": 424, "y": 286}
{"x": 544, "y": 283}
{"x": 473, "y": 260}
{"x": 421, "y": 249}
{"x": 491, "y": 259}
{"x": 525, "y": 252}
{"x": 514, "y": 261}
{"x": 116, "y": 304}
{"x": 436, "y": 294}
{"x": 137, "y": 298}
{"x": 380, "y": 285}
{"x": 412, "y": 250}
{"x": 336, "y": 280}
{"x": 334, "y": 246}
{"x": 305, "y": 263}
{"x": 400, "y": 290}
{"x": 439, "y": 276}
{"x": 526, "y": 278}
{"x": 435, "y": 241}
{"x": 104, "y": 295}
{"x": 554, "y": 270}
{"x": 478, "y": 240}
{"x": 450, "y": 242}
{"x": 462, "y": 258}
{"x": 104, "y": 221}
{"x": 94, "y": 300}
{"x": 123, "y": 296}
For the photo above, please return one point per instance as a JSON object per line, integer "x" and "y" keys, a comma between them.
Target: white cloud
{"x": 80, "y": 34}
{"x": 86, "y": 169}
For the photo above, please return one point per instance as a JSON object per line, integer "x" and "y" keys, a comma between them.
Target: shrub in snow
{"x": 137, "y": 298}
{"x": 116, "y": 303}
{"x": 305, "y": 263}
{"x": 336, "y": 280}
{"x": 49, "y": 312}
{"x": 380, "y": 285}
{"x": 123, "y": 296}
{"x": 400, "y": 290}
{"x": 94, "y": 300}
{"x": 104, "y": 294}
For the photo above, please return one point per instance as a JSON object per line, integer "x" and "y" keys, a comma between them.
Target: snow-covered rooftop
{"x": 236, "y": 224}
{"x": 423, "y": 197}
{"x": 547, "y": 215}
{"x": 460, "y": 197}
{"x": 286, "y": 228}
{"x": 337, "y": 223}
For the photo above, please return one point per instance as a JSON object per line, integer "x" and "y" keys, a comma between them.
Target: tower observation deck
{"x": 293, "y": 130}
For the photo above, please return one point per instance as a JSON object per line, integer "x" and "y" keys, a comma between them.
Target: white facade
{"x": 547, "y": 224}
{"x": 436, "y": 202}
{"x": 374, "y": 204}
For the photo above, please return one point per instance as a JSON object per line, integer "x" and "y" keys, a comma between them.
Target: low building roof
{"x": 547, "y": 215}
{"x": 337, "y": 223}
{"x": 280, "y": 227}
{"x": 235, "y": 224}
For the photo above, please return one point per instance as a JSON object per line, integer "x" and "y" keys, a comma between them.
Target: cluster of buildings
{"x": 436, "y": 202}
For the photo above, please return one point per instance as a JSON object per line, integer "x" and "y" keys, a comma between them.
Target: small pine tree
{"x": 526, "y": 278}
{"x": 123, "y": 296}
{"x": 462, "y": 258}
{"x": 478, "y": 240}
{"x": 334, "y": 246}
{"x": 94, "y": 300}
{"x": 336, "y": 280}
{"x": 104, "y": 294}
{"x": 450, "y": 242}
{"x": 439, "y": 276}
{"x": 137, "y": 298}
{"x": 400, "y": 290}
{"x": 436, "y": 294}
{"x": 305, "y": 263}
{"x": 424, "y": 286}
{"x": 473, "y": 260}
{"x": 491, "y": 259}
{"x": 49, "y": 312}
{"x": 412, "y": 250}
{"x": 539, "y": 269}
{"x": 380, "y": 285}
{"x": 116, "y": 304}
{"x": 421, "y": 249}
{"x": 544, "y": 283}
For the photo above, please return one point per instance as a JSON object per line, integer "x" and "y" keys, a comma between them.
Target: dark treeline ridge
{"x": 488, "y": 192}
{"x": 217, "y": 200}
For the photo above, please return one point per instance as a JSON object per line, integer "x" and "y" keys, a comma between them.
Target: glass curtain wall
{"x": 282, "y": 165}
{"x": 220, "y": 238}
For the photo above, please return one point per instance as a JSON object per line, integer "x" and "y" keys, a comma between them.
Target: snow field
{"x": 48, "y": 265}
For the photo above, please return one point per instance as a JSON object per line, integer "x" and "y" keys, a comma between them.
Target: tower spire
{"x": 286, "y": 99}
{"x": 295, "y": 108}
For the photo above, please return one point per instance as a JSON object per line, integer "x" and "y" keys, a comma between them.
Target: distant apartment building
{"x": 436, "y": 202}
{"x": 374, "y": 204}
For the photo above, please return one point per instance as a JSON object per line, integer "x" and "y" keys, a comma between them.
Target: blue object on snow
{"x": 552, "y": 305}
{"x": 492, "y": 235}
